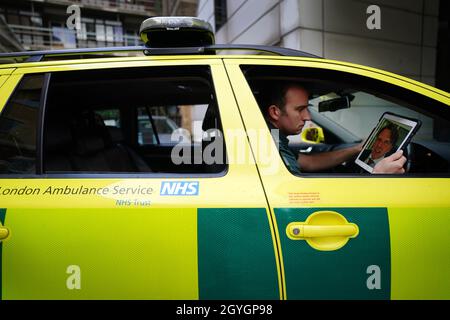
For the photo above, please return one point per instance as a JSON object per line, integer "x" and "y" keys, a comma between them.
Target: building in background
{"x": 179, "y": 7}
{"x": 8, "y": 39}
{"x": 41, "y": 24}
{"x": 407, "y": 42}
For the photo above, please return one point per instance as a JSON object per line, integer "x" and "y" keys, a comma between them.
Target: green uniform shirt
{"x": 289, "y": 158}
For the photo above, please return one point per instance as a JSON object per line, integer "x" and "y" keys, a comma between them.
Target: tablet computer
{"x": 392, "y": 133}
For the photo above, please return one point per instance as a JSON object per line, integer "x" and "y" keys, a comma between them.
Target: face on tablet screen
{"x": 386, "y": 139}
{"x": 384, "y": 142}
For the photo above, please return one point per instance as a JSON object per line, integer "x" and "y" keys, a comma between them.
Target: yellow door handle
{"x": 4, "y": 233}
{"x": 305, "y": 231}
{"x": 323, "y": 230}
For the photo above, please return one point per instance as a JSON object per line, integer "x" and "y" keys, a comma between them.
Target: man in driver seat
{"x": 287, "y": 111}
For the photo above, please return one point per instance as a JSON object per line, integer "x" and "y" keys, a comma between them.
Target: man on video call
{"x": 384, "y": 143}
{"x": 288, "y": 111}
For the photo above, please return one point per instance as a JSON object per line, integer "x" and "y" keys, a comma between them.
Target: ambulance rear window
{"x": 134, "y": 120}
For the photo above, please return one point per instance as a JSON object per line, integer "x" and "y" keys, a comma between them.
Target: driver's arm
{"x": 326, "y": 160}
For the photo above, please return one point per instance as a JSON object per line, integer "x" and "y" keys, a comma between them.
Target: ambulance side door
{"x": 352, "y": 236}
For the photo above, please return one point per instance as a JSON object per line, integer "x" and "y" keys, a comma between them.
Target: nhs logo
{"x": 179, "y": 188}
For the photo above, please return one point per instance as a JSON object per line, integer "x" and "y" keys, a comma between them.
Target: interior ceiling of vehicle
{"x": 144, "y": 92}
{"x": 143, "y": 87}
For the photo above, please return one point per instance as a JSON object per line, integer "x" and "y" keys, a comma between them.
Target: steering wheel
{"x": 408, "y": 153}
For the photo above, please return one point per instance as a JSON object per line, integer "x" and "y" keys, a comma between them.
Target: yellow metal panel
{"x": 7, "y": 88}
{"x": 119, "y": 253}
{"x": 74, "y": 65}
{"x": 4, "y": 71}
{"x": 3, "y": 79}
{"x": 420, "y": 263}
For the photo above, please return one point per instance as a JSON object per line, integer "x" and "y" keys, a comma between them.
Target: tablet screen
{"x": 393, "y": 132}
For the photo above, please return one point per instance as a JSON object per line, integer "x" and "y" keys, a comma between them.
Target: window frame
{"x": 40, "y": 125}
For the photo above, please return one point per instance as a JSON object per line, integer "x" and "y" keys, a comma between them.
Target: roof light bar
{"x": 166, "y": 32}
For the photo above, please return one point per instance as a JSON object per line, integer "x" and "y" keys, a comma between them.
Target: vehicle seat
{"x": 126, "y": 159}
{"x": 101, "y": 149}
{"x": 58, "y": 144}
{"x": 212, "y": 130}
{"x": 89, "y": 147}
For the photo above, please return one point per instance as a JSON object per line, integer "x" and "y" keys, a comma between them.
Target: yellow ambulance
{"x": 112, "y": 184}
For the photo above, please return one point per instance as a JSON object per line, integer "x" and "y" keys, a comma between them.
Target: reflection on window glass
{"x": 64, "y": 37}
{"x": 18, "y": 127}
{"x": 109, "y": 33}
{"x": 100, "y": 32}
{"x": 185, "y": 121}
{"x": 118, "y": 34}
{"x": 110, "y": 117}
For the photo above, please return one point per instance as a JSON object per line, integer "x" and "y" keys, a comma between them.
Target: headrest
{"x": 89, "y": 145}
{"x": 115, "y": 134}
{"x": 90, "y": 132}
{"x": 88, "y": 121}
{"x": 211, "y": 120}
{"x": 57, "y": 134}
